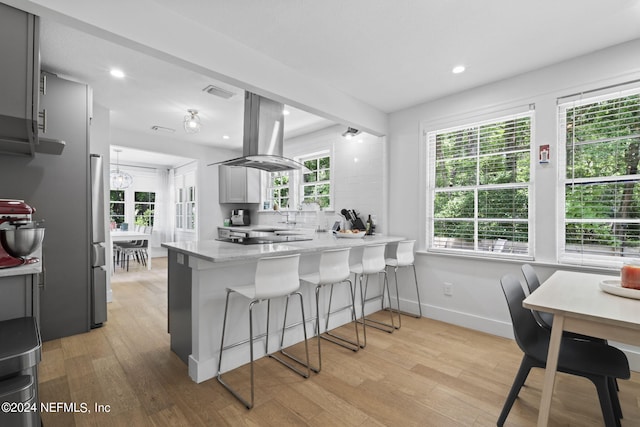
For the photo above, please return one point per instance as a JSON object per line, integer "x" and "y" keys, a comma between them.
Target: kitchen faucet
{"x": 290, "y": 217}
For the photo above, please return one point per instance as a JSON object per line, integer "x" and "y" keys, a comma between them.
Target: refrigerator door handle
{"x": 98, "y": 257}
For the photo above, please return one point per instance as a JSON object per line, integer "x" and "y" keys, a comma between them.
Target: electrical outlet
{"x": 448, "y": 289}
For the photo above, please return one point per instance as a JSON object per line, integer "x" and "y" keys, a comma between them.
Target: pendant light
{"x": 192, "y": 122}
{"x": 119, "y": 179}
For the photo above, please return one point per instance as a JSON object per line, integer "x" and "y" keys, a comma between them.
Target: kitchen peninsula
{"x": 199, "y": 273}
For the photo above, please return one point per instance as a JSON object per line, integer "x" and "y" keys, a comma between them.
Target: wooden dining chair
{"x": 596, "y": 361}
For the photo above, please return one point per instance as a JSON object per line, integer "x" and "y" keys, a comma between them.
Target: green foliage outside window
{"x": 602, "y": 195}
{"x": 279, "y": 189}
{"x": 116, "y": 206}
{"x": 144, "y": 208}
{"x": 316, "y": 186}
{"x": 482, "y": 175}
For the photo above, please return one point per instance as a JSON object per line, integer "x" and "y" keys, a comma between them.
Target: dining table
{"x": 586, "y": 303}
{"x": 130, "y": 235}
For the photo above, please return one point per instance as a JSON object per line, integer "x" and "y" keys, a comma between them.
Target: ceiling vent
{"x": 218, "y": 91}
{"x": 350, "y": 133}
{"x": 162, "y": 129}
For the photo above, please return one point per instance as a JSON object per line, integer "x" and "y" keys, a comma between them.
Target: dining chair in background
{"x": 546, "y": 319}
{"x": 596, "y": 361}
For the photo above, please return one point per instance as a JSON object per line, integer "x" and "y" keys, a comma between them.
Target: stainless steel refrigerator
{"x": 59, "y": 188}
{"x": 98, "y": 259}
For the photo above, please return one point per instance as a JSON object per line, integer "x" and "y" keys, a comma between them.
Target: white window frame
{"x": 152, "y": 204}
{"x": 296, "y": 184}
{"x": 185, "y": 208}
{"x": 498, "y": 247}
{"x": 574, "y": 257}
{"x": 301, "y": 184}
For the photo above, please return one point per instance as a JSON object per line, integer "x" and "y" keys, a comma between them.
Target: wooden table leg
{"x": 550, "y": 371}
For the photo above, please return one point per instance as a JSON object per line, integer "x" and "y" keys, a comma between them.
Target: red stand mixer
{"x": 19, "y": 235}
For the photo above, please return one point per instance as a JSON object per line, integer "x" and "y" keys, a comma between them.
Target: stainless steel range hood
{"x": 263, "y": 138}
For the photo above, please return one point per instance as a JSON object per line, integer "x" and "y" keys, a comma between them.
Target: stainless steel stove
{"x": 266, "y": 240}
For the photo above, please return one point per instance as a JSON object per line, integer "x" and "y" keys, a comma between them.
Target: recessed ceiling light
{"x": 458, "y": 69}
{"x": 117, "y": 73}
{"x": 225, "y": 136}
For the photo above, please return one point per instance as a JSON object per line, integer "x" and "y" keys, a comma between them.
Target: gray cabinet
{"x": 239, "y": 184}
{"x": 58, "y": 188}
{"x": 19, "y": 82}
{"x": 19, "y": 296}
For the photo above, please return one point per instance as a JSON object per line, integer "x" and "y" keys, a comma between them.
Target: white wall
{"x": 477, "y": 300}
{"x": 357, "y": 174}
{"x": 210, "y": 213}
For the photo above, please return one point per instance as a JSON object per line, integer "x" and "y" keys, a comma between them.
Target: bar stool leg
{"x": 395, "y": 275}
{"x": 247, "y": 404}
{"x": 330, "y": 336}
{"x": 386, "y": 327}
{"x": 415, "y": 277}
{"x": 294, "y": 368}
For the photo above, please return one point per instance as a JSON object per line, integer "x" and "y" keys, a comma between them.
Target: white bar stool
{"x": 275, "y": 277}
{"x": 373, "y": 262}
{"x": 405, "y": 258}
{"x": 333, "y": 270}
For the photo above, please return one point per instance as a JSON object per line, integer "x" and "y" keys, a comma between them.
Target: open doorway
{"x": 152, "y": 198}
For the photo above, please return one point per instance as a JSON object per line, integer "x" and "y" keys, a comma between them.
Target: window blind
{"x": 479, "y": 186}
{"x": 600, "y": 195}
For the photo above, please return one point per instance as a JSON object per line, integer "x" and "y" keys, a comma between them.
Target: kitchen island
{"x": 200, "y": 272}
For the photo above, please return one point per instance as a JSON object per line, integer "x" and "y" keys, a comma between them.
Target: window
{"x": 190, "y": 209}
{"x": 313, "y": 186}
{"x": 117, "y": 206}
{"x": 600, "y": 196}
{"x": 316, "y": 184}
{"x": 180, "y": 208}
{"x": 479, "y": 186}
{"x": 144, "y": 207}
{"x": 186, "y": 208}
{"x": 278, "y": 189}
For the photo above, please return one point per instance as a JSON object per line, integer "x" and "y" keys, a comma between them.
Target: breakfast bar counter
{"x": 200, "y": 272}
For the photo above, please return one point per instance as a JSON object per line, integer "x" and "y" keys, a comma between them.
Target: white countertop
{"x": 217, "y": 251}
{"x": 34, "y": 268}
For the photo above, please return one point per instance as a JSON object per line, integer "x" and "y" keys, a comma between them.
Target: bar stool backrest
{"x": 373, "y": 258}
{"x": 404, "y": 253}
{"x": 334, "y": 266}
{"x": 277, "y": 276}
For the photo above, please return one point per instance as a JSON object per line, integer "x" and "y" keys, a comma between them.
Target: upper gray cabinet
{"x": 19, "y": 81}
{"x": 239, "y": 184}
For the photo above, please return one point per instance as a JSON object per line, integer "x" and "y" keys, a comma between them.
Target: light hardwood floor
{"x": 426, "y": 374}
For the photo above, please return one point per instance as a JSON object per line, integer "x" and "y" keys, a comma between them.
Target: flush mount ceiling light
{"x": 350, "y": 133}
{"x": 458, "y": 69}
{"x": 119, "y": 179}
{"x": 192, "y": 122}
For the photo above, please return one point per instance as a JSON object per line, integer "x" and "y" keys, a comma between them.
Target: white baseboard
{"x": 495, "y": 327}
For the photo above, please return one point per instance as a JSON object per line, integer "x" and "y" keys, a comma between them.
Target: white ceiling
{"x": 389, "y": 54}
